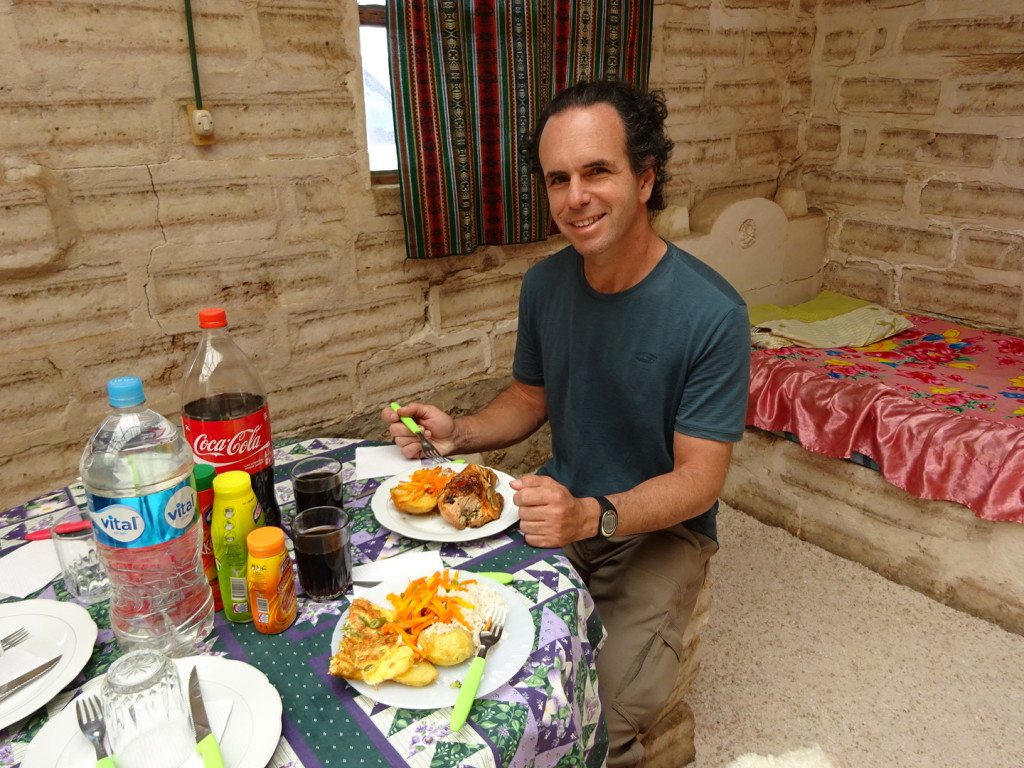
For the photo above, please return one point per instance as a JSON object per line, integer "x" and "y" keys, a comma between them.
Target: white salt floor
{"x": 804, "y": 647}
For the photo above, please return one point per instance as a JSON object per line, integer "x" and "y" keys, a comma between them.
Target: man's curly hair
{"x": 643, "y": 116}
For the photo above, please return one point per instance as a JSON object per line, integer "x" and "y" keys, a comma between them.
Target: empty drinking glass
{"x": 148, "y": 720}
{"x": 84, "y": 575}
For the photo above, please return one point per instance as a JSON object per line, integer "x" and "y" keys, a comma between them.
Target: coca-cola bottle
{"x": 224, "y": 413}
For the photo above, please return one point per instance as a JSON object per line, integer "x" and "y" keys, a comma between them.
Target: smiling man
{"x": 637, "y": 354}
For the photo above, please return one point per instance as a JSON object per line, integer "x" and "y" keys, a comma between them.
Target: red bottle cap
{"x": 212, "y": 318}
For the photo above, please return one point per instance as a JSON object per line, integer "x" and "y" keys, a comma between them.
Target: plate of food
{"x": 409, "y": 642}
{"x": 447, "y": 502}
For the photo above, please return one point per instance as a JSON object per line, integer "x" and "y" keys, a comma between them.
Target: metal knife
{"x": 10, "y": 687}
{"x": 206, "y": 742}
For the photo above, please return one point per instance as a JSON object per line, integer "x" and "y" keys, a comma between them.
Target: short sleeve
{"x": 713, "y": 405}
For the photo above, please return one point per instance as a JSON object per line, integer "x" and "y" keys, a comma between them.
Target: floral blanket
{"x": 939, "y": 407}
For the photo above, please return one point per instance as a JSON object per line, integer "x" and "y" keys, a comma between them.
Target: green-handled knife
{"x": 206, "y": 742}
{"x": 490, "y": 635}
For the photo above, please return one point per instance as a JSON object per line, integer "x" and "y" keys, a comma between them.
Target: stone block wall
{"x": 737, "y": 78}
{"x": 115, "y": 229}
{"x": 915, "y": 149}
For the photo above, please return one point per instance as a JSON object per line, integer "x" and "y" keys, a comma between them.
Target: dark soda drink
{"x": 322, "y": 552}
{"x": 231, "y": 430}
{"x": 318, "y": 489}
{"x": 317, "y": 482}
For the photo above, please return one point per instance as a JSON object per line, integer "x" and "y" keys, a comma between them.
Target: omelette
{"x": 365, "y": 653}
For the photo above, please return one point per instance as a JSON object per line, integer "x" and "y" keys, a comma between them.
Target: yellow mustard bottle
{"x": 270, "y": 580}
{"x": 236, "y": 512}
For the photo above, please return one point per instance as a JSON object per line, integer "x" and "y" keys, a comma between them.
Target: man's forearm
{"x": 686, "y": 492}
{"x": 515, "y": 414}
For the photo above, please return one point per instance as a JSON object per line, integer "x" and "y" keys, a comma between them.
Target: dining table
{"x": 547, "y": 713}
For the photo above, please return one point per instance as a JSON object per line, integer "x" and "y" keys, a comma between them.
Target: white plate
{"x": 250, "y": 736}
{"x": 433, "y": 527}
{"x": 54, "y": 628}
{"x": 503, "y": 660}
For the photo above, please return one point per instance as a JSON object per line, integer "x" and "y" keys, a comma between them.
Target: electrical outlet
{"x": 200, "y": 124}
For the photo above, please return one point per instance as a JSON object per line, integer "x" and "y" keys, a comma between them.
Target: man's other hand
{"x": 550, "y": 516}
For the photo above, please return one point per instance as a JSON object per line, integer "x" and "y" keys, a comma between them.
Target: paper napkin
{"x": 383, "y": 461}
{"x": 218, "y": 712}
{"x": 18, "y": 661}
{"x": 28, "y": 568}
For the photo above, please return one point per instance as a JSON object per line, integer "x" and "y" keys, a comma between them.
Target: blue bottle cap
{"x": 125, "y": 391}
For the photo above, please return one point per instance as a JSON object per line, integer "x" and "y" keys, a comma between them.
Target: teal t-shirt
{"x": 622, "y": 372}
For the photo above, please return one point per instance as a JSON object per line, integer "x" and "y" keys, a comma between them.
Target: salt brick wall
{"x": 914, "y": 150}
{"x": 115, "y": 230}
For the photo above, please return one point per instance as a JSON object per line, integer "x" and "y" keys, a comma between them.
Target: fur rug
{"x": 809, "y": 757}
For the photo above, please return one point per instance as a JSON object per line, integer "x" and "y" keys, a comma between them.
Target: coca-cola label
{"x": 237, "y": 444}
{"x": 142, "y": 521}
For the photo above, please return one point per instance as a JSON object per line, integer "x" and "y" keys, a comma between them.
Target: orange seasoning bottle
{"x": 270, "y": 580}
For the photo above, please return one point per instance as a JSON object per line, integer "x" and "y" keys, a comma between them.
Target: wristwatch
{"x": 609, "y": 519}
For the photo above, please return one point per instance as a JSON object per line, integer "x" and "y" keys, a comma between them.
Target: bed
{"x": 938, "y": 408}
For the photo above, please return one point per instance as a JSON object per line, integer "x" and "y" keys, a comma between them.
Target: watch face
{"x": 609, "y": 522}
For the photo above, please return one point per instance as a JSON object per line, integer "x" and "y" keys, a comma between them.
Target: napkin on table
{"x": 18, "y": 661}
{"x": 218, "y": 712}
{"x": 28, "y": 568}
{"x": 383, "y": 461}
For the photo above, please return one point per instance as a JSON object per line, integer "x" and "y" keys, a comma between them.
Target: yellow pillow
{"x": 829, "y": 320}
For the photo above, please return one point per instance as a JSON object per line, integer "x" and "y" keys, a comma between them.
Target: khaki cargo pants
{"x": 645, "y": 588}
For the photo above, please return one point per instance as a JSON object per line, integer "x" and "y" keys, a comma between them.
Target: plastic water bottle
{"x": 136, "y": 469}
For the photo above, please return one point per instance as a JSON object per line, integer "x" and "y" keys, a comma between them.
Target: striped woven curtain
{"x": 468, "y": 79}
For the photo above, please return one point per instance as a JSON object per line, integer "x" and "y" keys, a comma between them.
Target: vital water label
{"x": 142, "y": 521}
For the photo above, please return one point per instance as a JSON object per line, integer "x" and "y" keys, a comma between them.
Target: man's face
{"x": 596, "y": 200}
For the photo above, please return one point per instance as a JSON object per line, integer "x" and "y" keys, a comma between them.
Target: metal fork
{"x": 489, "y": 635}
{"x": 14, "y": 638}
{"x": 429, "y": 449}
{"x": 92, "y": 724}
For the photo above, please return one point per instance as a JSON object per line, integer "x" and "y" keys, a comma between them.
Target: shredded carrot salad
{"x": 421, "y": 605}
{"x": 429, "y": 481}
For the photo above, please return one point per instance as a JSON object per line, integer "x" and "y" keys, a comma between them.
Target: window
{"x": 380, "y": 122}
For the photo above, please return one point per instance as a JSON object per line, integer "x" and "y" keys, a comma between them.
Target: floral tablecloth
{"x": 547, "y": 715}
{"x": 939, "y": 408}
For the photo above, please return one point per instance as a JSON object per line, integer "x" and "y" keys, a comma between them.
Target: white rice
{"x": 483, "y": 599}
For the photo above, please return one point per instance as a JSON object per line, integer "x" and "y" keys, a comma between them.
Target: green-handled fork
{"x": 489, "y": 635}
{"x": 429, "y": 449}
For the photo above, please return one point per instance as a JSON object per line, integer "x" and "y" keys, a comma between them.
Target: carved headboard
{"x": 771, "y": 252}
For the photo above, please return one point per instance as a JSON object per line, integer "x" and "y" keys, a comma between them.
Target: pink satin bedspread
{"x": 940, "y": 408}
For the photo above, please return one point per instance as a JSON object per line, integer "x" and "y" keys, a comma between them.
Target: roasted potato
{"x": 413, "y": 502}
{"x": 446, "y": 646}
{"x": 420, "y": 674}
{"x": 419, "y": 494}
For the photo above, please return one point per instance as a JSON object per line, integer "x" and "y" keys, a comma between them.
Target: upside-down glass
{"x": 317, "y": 482}
{"x": 84, "y": 574}
{"x": 322, "y": 552}
{"x": 148, "y": 720}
